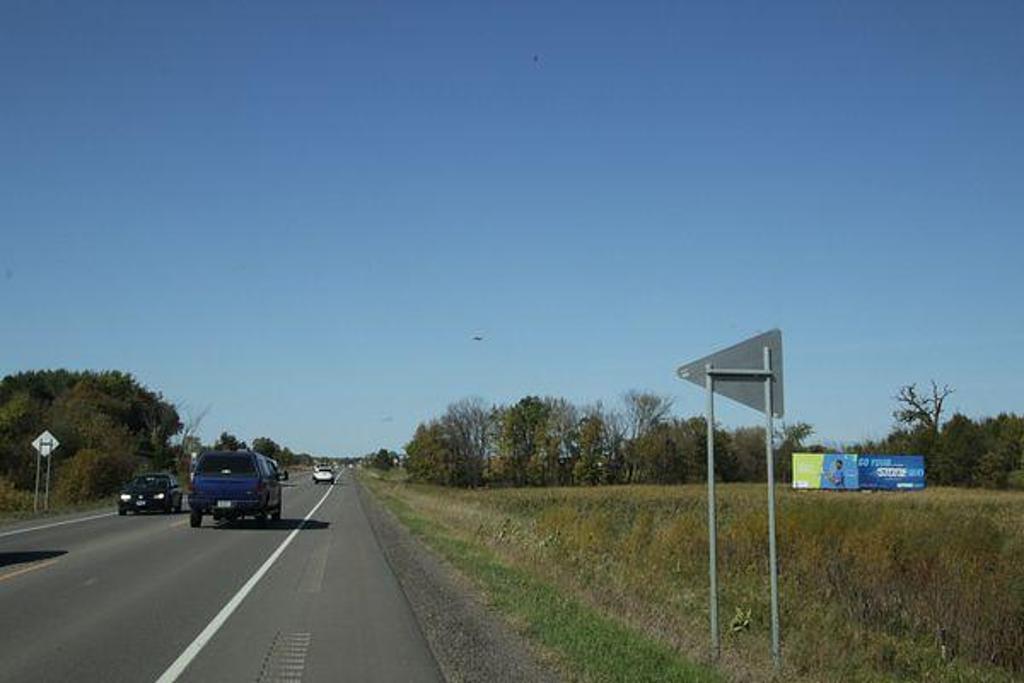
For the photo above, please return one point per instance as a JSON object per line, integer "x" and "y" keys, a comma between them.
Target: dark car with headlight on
{"x": 158, "y": 492}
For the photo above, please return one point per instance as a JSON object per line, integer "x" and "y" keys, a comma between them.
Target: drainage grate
{"x": 286, "y": 658}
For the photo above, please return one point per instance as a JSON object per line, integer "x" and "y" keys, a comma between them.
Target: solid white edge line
{"x": 185, "y": 658}
{"x": 50, "y": 526}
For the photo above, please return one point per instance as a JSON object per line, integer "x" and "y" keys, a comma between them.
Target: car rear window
{"x": 227, "y": 465}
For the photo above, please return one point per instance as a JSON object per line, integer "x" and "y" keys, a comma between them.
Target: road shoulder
{"x": 18, "y": 523}
{"x": 469, "y": 641}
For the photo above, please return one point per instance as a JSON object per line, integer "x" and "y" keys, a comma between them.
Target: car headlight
{"x": 159, "y": 496}
{"x": 126, "y": 496}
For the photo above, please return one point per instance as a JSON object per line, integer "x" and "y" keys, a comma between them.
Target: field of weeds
{"x": 874, "y": 586}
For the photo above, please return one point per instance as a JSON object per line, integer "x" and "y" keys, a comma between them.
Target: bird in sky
{"x": 478, "y": 337}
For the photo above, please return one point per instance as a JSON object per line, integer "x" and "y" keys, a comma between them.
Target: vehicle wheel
{"x": 195, "y": 520}
{"x": 122, "y": 512}
{"x": 261, "y": 520}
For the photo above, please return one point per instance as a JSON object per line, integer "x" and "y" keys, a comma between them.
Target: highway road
{"x": 147, "y": 598}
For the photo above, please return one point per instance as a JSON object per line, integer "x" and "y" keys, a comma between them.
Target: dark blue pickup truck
{"x": 235, "y": 484}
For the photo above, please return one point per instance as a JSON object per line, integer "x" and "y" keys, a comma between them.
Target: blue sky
{"x": 299, "y": 213}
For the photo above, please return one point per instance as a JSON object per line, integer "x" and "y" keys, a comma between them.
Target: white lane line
{"x": 50, "y": 526}
{"x": 190, "y": 652}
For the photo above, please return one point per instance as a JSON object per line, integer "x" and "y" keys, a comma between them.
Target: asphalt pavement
{"x": 147, "y": 598}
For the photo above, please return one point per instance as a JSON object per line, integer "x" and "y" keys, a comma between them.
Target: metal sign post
{"x": 769, "y": 435}
{"x": 739, "y": 369}
{"x": 46, "y": 496}
{"x": 712, "y": 520}
{"x": 45, "y": 444}
{"x": 35, "y": 499}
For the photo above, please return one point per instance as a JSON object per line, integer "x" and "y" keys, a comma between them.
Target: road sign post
{"x": 46, "y": 496}
{"x": 769, "y": 435}
{"x": 712, "y": 519}
{"x": 45, "y": 444}
{"x": 35, "y": 498}
{"x": 739, "y": 370}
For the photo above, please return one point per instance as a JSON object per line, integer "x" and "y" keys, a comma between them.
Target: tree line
{"x": 552, "y": 442}
{"x": 109, "y": 426}
{"x": 264, "y": 445}
{"x": 959, "y": 451}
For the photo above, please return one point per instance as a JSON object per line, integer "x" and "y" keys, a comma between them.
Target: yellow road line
{"x": 25, "y": 570}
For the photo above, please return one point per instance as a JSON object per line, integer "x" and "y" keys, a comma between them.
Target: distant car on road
{"x": 323, "y": 474}
{"x": 156, "y": 491}
{"x": 235, "y": 484}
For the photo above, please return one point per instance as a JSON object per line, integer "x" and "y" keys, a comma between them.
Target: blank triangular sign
{"x": 747, "y": 355}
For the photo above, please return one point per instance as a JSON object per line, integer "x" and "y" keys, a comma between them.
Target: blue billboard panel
{"x": 839, "y": 471}
{"x": 891, "y": 471}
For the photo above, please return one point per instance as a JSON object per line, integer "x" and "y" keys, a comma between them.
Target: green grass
{"x": 920, "y": 586}
{"x": 395, "y": 474}
{"x": 589, "y": 645}
{"x": 11, "y": 516}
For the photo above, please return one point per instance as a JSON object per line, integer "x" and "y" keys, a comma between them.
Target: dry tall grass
{"x": 924, "y": 585}
{"x": 12, "y": 499}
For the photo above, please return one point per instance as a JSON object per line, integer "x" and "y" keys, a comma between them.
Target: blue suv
{"x": 235, "y": 484}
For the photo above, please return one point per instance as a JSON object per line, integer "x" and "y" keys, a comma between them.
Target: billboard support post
{"x": 712, "y": 522}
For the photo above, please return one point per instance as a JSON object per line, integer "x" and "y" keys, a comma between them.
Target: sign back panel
{"x": 747, "y": 355}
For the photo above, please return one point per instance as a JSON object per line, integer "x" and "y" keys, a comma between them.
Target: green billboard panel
{"x": 807, "y": 470}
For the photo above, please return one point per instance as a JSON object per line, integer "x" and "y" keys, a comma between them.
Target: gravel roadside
{"x": 470, "y": 642}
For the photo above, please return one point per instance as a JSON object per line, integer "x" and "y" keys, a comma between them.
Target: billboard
{"x": 807, "y": 470}
{"x": 825, "y": 471}
{"x": 888, "y": 472}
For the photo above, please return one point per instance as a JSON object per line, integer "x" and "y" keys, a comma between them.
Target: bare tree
{"x": 615, "y": 424}
{"x": 471, "y": 433}
{"x": 920, "y": 409}
{"x": 644, "y": 410}
{"x": 190, "y": 424}
{"x": 563, "y": 418}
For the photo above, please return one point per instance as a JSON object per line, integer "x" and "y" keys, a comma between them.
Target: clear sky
{"x": 299, "y": 213}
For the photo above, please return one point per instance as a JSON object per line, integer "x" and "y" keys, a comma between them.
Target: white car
{"x": 323, "y": 474}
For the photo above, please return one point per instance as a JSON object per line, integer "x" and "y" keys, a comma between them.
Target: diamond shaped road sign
{"x": 45, "y": 443}
{"x": 747, "y": 355}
